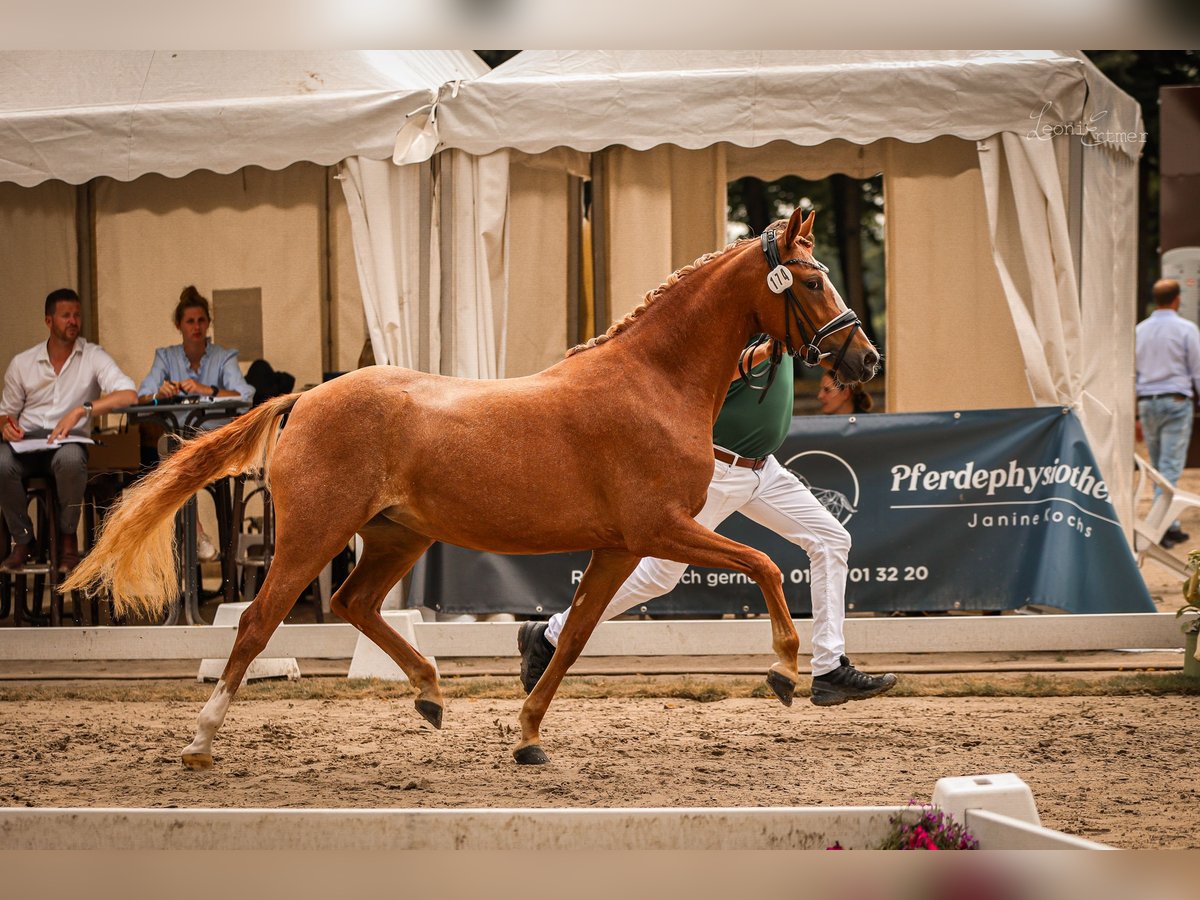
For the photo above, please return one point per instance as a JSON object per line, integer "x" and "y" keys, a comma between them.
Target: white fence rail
{"x": 950, "y": 634}
{"x": 708, "y": 828}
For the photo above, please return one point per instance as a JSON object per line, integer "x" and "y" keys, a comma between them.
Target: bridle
{"x": 780, "y": 280}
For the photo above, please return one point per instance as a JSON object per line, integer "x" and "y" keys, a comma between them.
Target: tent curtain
{"x": 1059, "y": 329}
{"x": 450, "y": 316}
{"x": 1108, "y": 283}
{"x": 384, "y": 204}
{"x": 472, "y": 193}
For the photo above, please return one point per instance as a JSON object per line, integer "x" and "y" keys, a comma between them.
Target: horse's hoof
{"x": 431, "y": 712}
{"x": 532, "y": 755}
{"x": 782, "y": 686}
{"x": 197, "y": 762}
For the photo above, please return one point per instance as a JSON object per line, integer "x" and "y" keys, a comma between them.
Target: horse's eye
{"x": 813, "y": 284}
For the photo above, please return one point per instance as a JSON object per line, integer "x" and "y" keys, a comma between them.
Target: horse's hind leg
{"x": 389, "y": 551}
{"x": 605, "y": 573}
{"x": 295, "y": 565}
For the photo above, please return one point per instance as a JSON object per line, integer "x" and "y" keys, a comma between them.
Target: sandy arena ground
{"x": 1113, "y": 769}
{"x": 1118, "y": 769}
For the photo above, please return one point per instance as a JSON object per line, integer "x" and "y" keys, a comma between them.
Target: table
{"x": 194, "y": 415}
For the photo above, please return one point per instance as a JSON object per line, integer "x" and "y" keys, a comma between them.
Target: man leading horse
{"x": 753, "y": 423}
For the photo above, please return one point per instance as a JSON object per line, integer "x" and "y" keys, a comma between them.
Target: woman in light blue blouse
{"x": 195, "y": 367}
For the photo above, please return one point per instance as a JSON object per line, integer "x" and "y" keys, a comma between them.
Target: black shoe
{"x": 847, "y": 683}
{"x": 1174, "y": 536}
{"x": 19, "y": 556}
{"x": 536, "y": 653}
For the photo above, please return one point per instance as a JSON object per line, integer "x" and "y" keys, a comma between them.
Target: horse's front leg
{"x": 690, "y": 542}
{"x": 605, "y": 573}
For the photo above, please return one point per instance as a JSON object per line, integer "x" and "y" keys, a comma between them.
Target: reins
{"x": 780, "y": 280}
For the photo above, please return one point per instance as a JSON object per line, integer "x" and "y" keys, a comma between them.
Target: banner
{"x": 978, "y": 510}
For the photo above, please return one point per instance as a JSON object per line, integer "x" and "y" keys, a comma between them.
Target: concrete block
{"x": 369, "y": 661}
{"x": 1005, "y": 794}
{"x": 282, "y": 667}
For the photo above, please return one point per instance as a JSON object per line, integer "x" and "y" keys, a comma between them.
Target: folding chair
{"x": 1165, "y": 509}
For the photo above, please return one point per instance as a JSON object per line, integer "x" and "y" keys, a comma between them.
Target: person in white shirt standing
{"x": 1168, "y": 376}
{"x": 53, "y": 390}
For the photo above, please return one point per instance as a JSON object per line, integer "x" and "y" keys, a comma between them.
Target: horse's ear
{"x": 806, "y": 226}
{"x": 798, "y": 226}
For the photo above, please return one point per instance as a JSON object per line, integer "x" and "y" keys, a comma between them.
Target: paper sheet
{"x": 36, "y": 445}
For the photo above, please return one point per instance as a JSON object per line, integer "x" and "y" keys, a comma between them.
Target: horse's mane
{"x": 671, "y": 281}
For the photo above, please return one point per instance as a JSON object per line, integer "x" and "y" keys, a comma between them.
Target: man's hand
{"x": 69, "y": 421}
{"x": 192, "y": 386}
{"x": 750, "y": 359}
{"x": 12, "y": 431}
{"x": 167, "y": 390}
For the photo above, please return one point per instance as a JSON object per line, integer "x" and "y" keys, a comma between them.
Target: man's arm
{"x": 117, "y": 389}
{"x": 11, "y": 403}
{"x": 1193, "y": 359}
{"x": 105, "y": 404}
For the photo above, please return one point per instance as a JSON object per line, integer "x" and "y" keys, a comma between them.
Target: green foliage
{"x": 1140, "y": 73}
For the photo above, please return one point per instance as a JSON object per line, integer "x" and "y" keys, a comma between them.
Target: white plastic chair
{"x": 1168, "y": 506}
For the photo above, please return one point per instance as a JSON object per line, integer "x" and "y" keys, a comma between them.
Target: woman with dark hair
{"x": 196, "y": 367}
{"x": 842, "y": 399}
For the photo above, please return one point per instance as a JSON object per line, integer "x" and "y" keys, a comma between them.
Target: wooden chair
{"x": 1168, "y": 506}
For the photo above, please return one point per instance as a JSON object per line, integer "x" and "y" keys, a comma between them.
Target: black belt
{"x": 1174, "y": 396}
{"x": 744, "y": 462}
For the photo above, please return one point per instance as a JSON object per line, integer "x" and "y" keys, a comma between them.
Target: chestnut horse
{"x": 609, "y": 450}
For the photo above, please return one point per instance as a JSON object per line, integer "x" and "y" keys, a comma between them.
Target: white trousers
{"x": 774, "y": 498}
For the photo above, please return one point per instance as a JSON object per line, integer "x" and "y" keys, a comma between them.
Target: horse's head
{"x": 804, "y": 310}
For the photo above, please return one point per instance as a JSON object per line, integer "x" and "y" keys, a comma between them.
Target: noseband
{"x": 780, "y": 280}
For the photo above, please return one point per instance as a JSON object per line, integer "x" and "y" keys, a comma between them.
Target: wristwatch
{"x": 213, "y": 392}
{"x": 87, "y": 409}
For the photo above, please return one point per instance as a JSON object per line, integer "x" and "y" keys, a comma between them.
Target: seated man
{"x": 53, "y": 390}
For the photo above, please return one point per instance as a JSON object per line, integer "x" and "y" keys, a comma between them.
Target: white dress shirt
{"x": 38, "y": 398}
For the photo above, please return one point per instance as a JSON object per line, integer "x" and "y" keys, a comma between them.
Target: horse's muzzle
{"x": 859, "y": 365}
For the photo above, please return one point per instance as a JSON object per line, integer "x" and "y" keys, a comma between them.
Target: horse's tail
{"x": 134, "y": 556}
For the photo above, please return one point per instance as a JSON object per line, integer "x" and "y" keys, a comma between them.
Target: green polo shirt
{"x": 749, "y": 428}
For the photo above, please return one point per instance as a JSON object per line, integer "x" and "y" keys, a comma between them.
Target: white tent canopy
{"x": 71, "y": 116}
{"x": 591, "y": 99}
{"x": 1010, "y": 177}
{"x": 125, "y": 144}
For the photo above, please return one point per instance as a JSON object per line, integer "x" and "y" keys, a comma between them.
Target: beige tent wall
{"x": 250, "y": 229}
{"x": 951, "y": 341}
{"x": 665, "y": 207}
{"x": 348, "y": 324}
{"x": 698, "y": 203}
{"x": 537, "y": 274}
{"x": 637, "y": 226}
{"x": 37, "y": 255}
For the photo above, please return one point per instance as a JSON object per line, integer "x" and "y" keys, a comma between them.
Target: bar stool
{"x": 42, "y": 565}
{"x": 255, "y": 551}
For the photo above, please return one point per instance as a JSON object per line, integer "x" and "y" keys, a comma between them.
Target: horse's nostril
{"x": 870, "y": 360}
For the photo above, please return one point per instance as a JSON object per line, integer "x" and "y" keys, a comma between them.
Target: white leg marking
{"x": 210, "y": 720}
